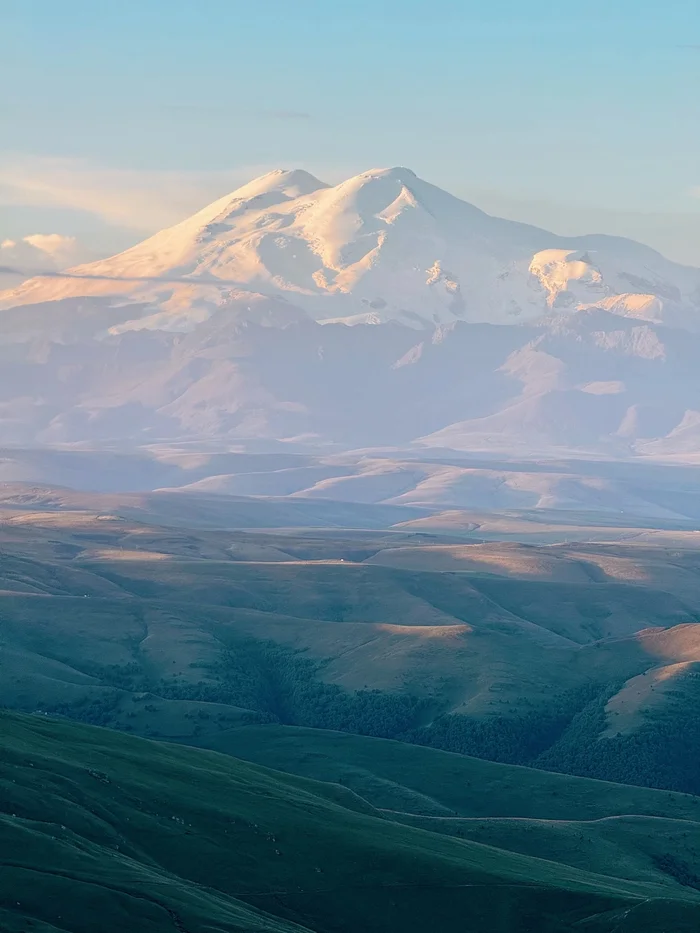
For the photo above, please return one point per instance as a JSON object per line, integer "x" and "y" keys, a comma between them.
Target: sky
{"x": 117, "y": 119}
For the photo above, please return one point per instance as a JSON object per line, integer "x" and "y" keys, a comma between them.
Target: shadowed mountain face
{"x": 595, "y": 384}
{"x": 382, "y": 311}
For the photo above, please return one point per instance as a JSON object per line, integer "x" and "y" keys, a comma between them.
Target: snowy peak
{"x": 385, "y": 245}
{"x": 293, "y": 184}
{"x": 275, "y": 187}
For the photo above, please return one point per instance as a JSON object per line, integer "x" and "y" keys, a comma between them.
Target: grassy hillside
{"x": 631, "y": 831}
{"x": 521, "y": 654}
{"x": 426, "y": 781}
{"x": 103, "y": 832}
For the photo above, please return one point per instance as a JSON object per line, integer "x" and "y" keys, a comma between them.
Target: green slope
{"x": 429, "y": 782}
{"x": 627, "y": 831}
{"x": 104, "y": 832}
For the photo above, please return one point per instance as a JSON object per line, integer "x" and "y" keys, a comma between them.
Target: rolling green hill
{"x": 102, "y": 832}
{"x": 634, "y": 832}
{"x": 428, "y": 782}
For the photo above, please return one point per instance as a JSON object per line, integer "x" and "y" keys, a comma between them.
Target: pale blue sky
{"x": 577, "y": 115}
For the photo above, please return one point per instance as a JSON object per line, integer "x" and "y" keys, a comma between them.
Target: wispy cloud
{"x": 142, "y": 201}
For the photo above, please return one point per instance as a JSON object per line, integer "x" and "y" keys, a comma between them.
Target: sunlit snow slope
{"x": 384, "y": 245}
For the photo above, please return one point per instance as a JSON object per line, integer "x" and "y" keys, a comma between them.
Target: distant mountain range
{"x": 382, "y": 311}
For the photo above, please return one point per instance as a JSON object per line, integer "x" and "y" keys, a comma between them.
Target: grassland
{"x": 103, "y": 832}
{"x": 631, "y": 831}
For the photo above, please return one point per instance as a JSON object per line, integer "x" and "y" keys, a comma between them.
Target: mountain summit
{"x": 383, "y": 245}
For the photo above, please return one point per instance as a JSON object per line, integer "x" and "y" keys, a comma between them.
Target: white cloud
{"x": 38, "y": 252}
{"x": 43, "y": 250}
{"x": 62, "y": 249}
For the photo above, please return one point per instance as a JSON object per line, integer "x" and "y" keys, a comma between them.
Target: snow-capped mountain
{"x": 231, "y": 328}
{"x": 382, "y": 246}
